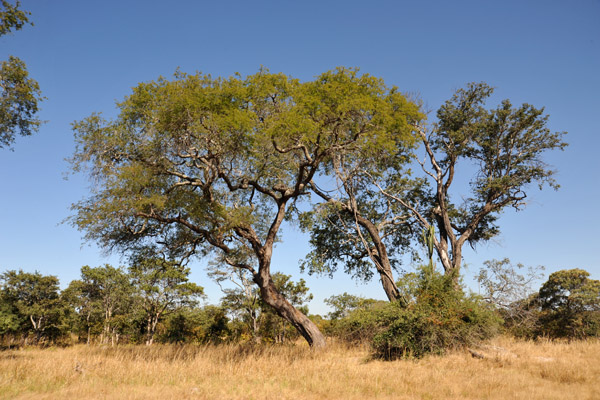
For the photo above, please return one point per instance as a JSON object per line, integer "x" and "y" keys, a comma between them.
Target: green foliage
{"x": 10, "y": 320}
{"x": 507, "y": 143}
{"x": 504, "y": 146}
{"x": 570, "y": 305}
{"x": 163, "y": 287}
{"x": 19, "y": 94}
{"x": 345, "y": 303}
{"x": 362, "y": 324}
{"x": 103, "y": 299}
{"x": 442, "y": 318}
{"x": 11, "y": 17}
{"x": 31, "y": 304}
{"x": 438, "y": 318}
{"x": 208, "y": 324}
{"x": 211, "y": 325}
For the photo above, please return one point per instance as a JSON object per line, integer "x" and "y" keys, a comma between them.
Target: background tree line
{"x": 153, "y": 301}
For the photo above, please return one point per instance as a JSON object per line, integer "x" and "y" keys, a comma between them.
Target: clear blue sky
{"x": 87, "y": 55}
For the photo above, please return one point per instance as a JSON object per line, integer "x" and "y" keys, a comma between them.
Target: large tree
{"x": 19, "y": 94}
{"x": 501, "y": 148}
{"x": 199, "y": 165}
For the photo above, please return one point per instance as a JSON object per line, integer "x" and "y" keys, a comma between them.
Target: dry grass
{"x": 517, "y": 370}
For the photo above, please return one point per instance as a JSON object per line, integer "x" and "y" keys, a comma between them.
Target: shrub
{"x": 522, "y": 317}
{"x": 361, "y": 325}
{"x": 438, "y": 317}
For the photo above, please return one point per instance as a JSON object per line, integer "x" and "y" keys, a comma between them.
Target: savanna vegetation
{"x": 196, "y": 167}
{"x": 512, "y": 369}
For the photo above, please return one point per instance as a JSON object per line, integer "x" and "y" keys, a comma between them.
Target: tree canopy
{"x": 570, "y": 303}
{"x": 199, "y": 166}
{"x": 163, "y": 287}
{"x": 502, "y": 149}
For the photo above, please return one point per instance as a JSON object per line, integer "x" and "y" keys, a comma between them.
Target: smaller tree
{"x": 243, "y": 300}
{"x": 505, "y": 146}
{"x": 164, "y": 287}
{"x": 570, "y": 303}
{"x": 502, "y": 283}
{"x": 36, "y": 299}
{"x": 105, "y": 294}
{"x": 510, "y": 288}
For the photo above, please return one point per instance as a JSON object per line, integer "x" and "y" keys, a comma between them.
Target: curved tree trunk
{"x": 286, "y": 310}
{"x": 381, "y": 260}
{"x": 270, "y": 294}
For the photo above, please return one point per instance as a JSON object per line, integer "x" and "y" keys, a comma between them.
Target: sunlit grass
{"x": 510, "y": 370}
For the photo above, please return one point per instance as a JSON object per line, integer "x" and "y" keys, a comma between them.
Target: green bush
{"x": 438, "y": 317}
{"x": 361, "y": 325}
{"x": 208, "y": 324}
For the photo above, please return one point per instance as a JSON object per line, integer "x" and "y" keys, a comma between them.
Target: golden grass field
{"x": 510, "y": 370}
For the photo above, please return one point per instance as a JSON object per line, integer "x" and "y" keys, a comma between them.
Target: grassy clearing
{"x": 517, "y": 370}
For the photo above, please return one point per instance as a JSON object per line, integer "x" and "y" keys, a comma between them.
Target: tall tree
{"x": 164, "y": 288}
{"x": 504, "y": 145}
{"x": 200, "y": 165}
{"x": 19, "y": 94}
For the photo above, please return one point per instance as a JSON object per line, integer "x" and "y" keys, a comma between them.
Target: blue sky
{"x": 87, "y": 55}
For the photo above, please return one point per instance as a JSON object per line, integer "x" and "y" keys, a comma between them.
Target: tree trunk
{"x": 89, "y": 329}
{"x": 149, "y": 331}
{"x": 286, "y": 310}
{"x": 152, "y": 323}
{"x": 387, "y": 281}
{"x": 381, "y": 260}
{"x": 268, "y": 291}
{"x": 255, "y": 326}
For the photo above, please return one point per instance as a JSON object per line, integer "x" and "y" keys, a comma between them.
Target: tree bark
{"x": 271, "y": 295}
{"x": 286, "y": 310}
{"x": 381, "y": 260}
